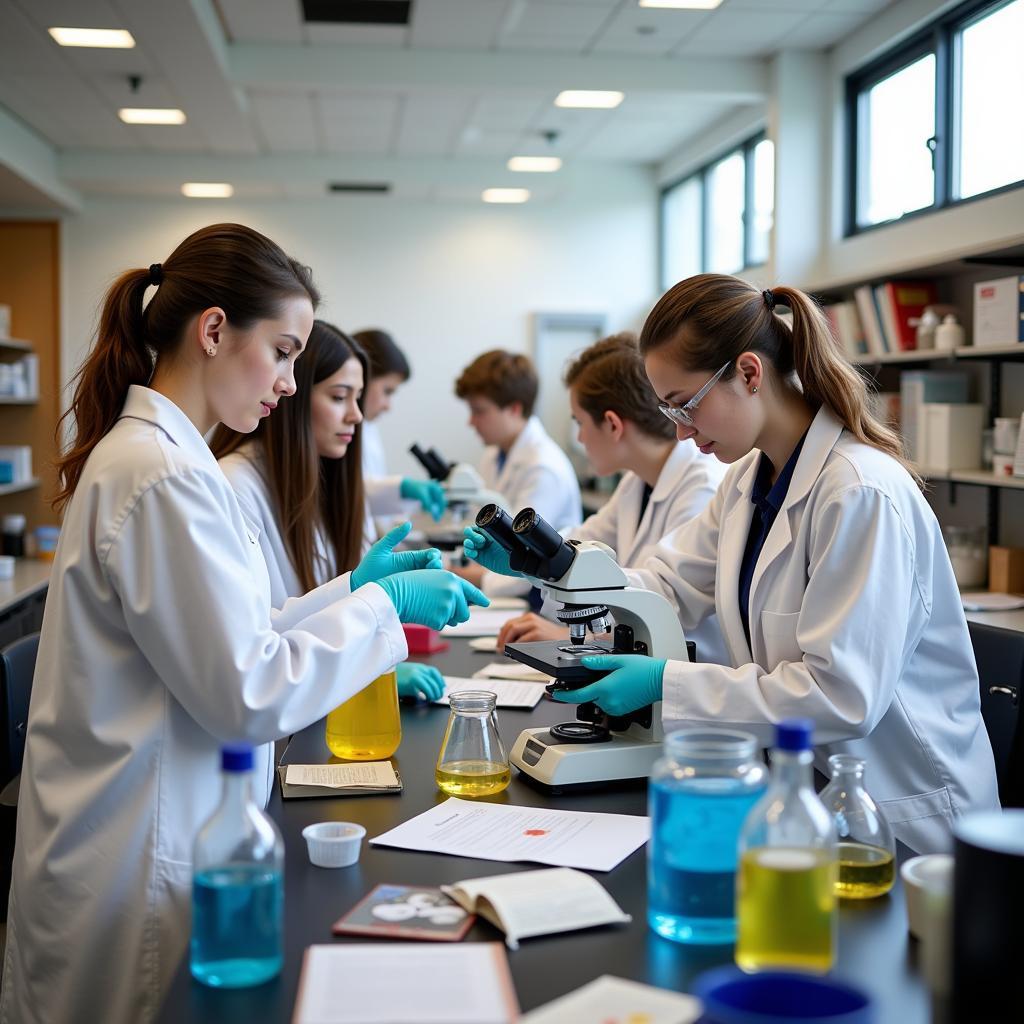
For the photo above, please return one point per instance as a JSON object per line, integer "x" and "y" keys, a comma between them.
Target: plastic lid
{"x": 236, "y": 759}
{"x": 794, "y": 734}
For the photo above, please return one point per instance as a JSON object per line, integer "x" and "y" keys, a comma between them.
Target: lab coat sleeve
{"x": 181, "y": 565}
{"x": 383, "y": 495}
{"x": 682, "y": 568}
{"x": 837, "y": 658}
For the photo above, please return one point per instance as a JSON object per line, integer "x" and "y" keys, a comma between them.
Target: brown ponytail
{"x": 226, "y": 265}
{"x": 711, "y": 319}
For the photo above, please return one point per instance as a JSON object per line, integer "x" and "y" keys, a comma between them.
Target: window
{"x": 927, "y": 127}
{"x": 719, "y": 218}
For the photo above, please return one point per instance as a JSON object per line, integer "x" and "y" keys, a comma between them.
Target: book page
{"x": 510, "y": 694}
{"x": 376, "y": 774}
{"x": 509, "y": 669}
{"x": 610, "y": 1000}
{"x": 529, "y": 903}
{"x": 354, "y": 983}
{"x": 481, "y": 622}
{"x": 577, "y": 839}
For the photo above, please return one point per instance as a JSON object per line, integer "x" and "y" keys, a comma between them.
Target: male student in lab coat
{"x": 521, "y": 462}
{"x": 159, "y": 643}
{"x": 665, "y": 482}
{"x": 819, "y": 555}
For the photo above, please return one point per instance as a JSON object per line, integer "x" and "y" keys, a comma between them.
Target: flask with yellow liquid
{"x": 472, "y": 761}
{"x": 367, "y": 727}
{"x": 786, "y": 905}
{"x": 867, "y": 850}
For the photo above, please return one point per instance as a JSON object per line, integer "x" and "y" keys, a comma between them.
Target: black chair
{"x": 1000, "y": 657}
{"x": 17, "y": 666}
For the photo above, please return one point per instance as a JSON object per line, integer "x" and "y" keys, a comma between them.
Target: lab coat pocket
{"x": 778, "y": 630}
{"x": 921, "y": 805}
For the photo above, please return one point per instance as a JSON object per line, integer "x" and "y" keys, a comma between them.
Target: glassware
{"x": 867, "y": 849}
{"x": 472, "y": 761}
{"x": 700, "y": 793}
{"x": 367, "y": 727}
{"x": 968, "y": 554}
{"x": 237, "y": 886}
{"x": 786, "y": 906}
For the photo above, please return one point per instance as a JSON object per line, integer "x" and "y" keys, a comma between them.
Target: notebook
{"x": 334, "y": 780}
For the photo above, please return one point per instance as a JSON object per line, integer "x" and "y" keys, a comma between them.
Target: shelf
{"x": 7, "y": 400}
{"x": 977, "y": 477}
{"x": 25, "y": 485}
{"x": 989, "y": 351}
{"x": 16, "y": 344}
{"x": 930, "y": 355}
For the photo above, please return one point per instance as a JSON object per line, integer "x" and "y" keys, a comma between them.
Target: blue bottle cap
{"x": 794, "y": 734}
{"x": 236, "y": 759}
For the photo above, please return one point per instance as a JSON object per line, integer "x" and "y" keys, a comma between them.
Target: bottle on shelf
{"x": 786, "y": 906}
{"x": 237, "y": 886}
{"x": 949, "y": 335}
{"x": 866, "y": 849}
{"x": 368, "y": 726}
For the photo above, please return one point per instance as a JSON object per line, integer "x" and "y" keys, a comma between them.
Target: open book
{"x": 356, "y": 779}
{"x": 528, "y": 903}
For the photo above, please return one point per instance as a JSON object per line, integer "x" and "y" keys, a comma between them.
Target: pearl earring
{"x": 210, "y": 351}
{"x": 753, "y": 390}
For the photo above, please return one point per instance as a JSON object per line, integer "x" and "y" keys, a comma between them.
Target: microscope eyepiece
{"x": 435, "y": 466}
{"x": 497, "y": 524}
{"x": 540, "y": 537}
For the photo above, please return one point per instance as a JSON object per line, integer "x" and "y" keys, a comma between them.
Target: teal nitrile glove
{"x": 634, "y": 683}
{"x": 381, "y": 560}
{"x": 429, "y": 493}
{"x": 477, "y": 546}
{"x": 431, "y": 597}
{"x": 415, "y": 680}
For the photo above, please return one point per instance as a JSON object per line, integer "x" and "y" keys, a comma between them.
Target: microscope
{"x": 464, "y": 490}
{"x": 585, "y": 579}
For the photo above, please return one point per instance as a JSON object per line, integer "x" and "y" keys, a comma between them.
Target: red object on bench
{"x": 423, "y": 640}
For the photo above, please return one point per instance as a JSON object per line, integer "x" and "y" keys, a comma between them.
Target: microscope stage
{"x": 547, "y": 656}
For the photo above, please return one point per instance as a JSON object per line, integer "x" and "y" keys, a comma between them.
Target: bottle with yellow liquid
{"x": 472, "y": 761}
{"x": 786, "y": 905}
{"x": 367, "y": 727}
{"x": 867, "y": 849}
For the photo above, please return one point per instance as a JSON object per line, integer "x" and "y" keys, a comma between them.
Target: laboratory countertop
{"x": 875, "y": 951}
{"x": 30, "y": 575}
{"x": 1011, "y": 621}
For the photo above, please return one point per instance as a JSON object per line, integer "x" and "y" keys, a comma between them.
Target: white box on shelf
{"x": 5, "y": 321}
{"x": 1018, "y": 460}
{"x": 952, "y": 435}
{"x": 20, "y": 458}
{"x": 999, "y": 311}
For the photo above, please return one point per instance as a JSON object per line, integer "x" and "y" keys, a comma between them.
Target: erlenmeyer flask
{"x": 472, "y": 761}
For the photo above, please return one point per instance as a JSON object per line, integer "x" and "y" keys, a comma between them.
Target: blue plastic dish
{"x": 779, "y": 997}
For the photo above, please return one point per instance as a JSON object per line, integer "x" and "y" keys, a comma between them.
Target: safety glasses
{"x": 684, "y": 413}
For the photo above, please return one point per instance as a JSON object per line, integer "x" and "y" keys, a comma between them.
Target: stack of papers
{"x": 305, "y": 780}
{"x": 572, "y": 839}
{"x": 609, "y": 999}
{"x": 509, "y": 669}
{"x": 509, "y": 693}
{"x": 481, "y": 622}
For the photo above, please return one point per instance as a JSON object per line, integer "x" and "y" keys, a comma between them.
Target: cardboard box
{"x": 951, "y": 436}
{"x": 999, "y": 311}
{"x": 1006, "y": 570}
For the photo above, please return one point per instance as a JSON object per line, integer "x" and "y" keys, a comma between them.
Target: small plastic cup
{"x": 7, "y": 567}
{"x": 334, "y": 844}
{"x": 932, "y": 871}
{"x": 779, "y": 997}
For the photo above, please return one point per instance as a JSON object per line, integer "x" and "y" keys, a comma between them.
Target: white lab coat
{"x": 158, "y": 645}
{"x": 686, "y": 484}
{"x": 537, "y": 474}
{"x": 855, "y": 622}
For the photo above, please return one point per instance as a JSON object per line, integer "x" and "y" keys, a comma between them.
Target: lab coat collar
{"x": 679, "y": 461}
{"x": 144, "y": 403}
{"x": 528, "y": 438}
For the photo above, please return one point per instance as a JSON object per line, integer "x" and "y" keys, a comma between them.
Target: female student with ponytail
{"x": 819, "y": 555}
{"x": 159, "y": 643}
{"x": 299, "y": 477}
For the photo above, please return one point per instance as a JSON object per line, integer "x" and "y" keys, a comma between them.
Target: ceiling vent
{"x": 370, "y": 187}
{"x": 357, "y": 12}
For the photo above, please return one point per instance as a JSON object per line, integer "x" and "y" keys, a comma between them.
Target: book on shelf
{"x": 864, "y": 297}
{"x": 999, "y": 311}
{"x": 904, "y": 301}
{"x": 847, "y": 328}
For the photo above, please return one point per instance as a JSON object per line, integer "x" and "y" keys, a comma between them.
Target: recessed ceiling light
{"x": 535, "y": 163}
{"x": 682, "y": 5}
{"x": 151, "y": 115}
{"x": 505, "y": 195}
{"x": 595, "y": 99}
{"x": 105, "y": 38}
{"x": 207, "y": 190}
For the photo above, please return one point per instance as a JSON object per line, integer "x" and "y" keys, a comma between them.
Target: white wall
{"x": 448, "y": 280}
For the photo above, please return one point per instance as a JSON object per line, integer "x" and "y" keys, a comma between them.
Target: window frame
{"x": 939, "y": 38}
{"x": 746, "y": 149}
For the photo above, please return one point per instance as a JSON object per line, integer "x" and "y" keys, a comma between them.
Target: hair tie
{"x": 156, "y": 274}
{"x": 769, "y": 299}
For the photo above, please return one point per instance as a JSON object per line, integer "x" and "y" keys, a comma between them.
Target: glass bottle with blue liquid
{"x": 701, "y": 791}
{"x": 237, "y": 886}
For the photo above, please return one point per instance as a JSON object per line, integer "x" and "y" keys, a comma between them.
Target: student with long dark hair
{"x": 819, "y": 554}
{"x": 159, "y": 643}
{"x": 299, "y": 478}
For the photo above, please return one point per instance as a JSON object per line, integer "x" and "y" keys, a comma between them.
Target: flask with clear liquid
{"x": 866, "y": 850}
{"x": 472, "y": 761}
{"x": 237, "y": 886}
{"x": 786, "y": 906}
{"x": 701, "y": 791}
{"x": 367, "y": 727}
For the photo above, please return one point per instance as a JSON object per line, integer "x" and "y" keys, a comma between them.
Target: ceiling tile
{"x": 25, "y": 46}
{"x": 285, "y": 122}
{"x": 356, "y": 35}
{"x": 456, "y": 24}
{"x": 636, "y": 30}
{"x": 431, "y": 125}
{"x": 823, "y": 30}
{"x": 551, "y": 25}
{"x": 262, "y": 21}
{"x": 358, "y": 123}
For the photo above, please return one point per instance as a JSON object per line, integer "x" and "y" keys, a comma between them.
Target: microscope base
{"x": 557, "y": 765}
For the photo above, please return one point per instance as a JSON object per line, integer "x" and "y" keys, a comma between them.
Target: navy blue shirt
{"x": 767, "y": 498}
